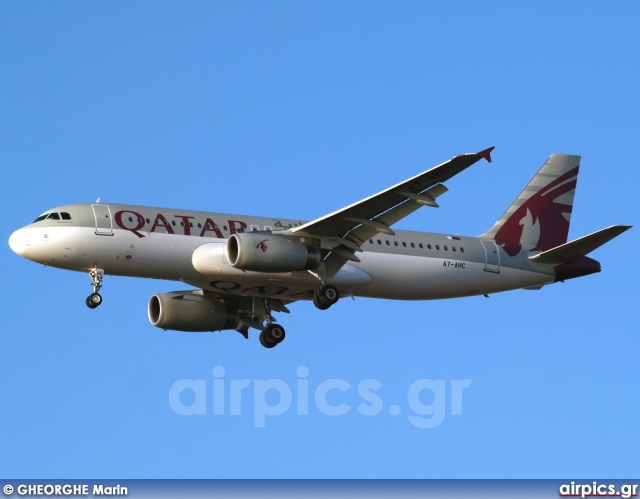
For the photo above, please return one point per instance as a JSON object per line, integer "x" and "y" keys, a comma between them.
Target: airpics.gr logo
{"x": 425, "y": 400}
{"x": 595, "y": 489}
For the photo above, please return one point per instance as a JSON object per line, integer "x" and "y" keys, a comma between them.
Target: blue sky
{"x": 296, "y": 109}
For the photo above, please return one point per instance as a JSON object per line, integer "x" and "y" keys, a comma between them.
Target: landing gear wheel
{"x": 265, "y": 342}
{"x": 326, "y": 295}
{"x": 274, "y": 333}
{"x": 319, "y": 304}
{"x": 93, "y": 300}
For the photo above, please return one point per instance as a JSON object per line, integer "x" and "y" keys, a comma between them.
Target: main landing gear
{"x": 272, "y": 335}
{"x": 95, "y": 299}
{"x": 326, "y": 296}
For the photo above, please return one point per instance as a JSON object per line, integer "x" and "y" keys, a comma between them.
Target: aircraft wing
{"x": 344, "y": 231}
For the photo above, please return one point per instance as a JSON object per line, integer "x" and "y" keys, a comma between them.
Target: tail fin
{"x": 539, "y": 218}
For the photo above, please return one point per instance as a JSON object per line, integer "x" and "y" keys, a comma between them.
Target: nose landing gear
{"x": 95, "y": 299}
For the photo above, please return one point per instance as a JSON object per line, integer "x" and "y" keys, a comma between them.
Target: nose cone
{"x": 19, "y": 243}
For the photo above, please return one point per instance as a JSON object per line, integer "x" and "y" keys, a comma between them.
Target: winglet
{"x": 486, "y": 154}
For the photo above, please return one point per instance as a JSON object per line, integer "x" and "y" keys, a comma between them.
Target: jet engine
{"x": 190, "y": 313}
{"x": 263, "y": 252}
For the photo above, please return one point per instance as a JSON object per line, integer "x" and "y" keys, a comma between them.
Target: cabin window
{"x": 190, "y": 224}
{"x": 438, "y": 247}
{"x": 225, "y": 227}
{"x": 139, "y": 220}
{"x": 148, "y": 221}
{"x": 173, "y": 222}
{"x": 388, "y": 243}
{"x": 254, "y": 228}
{"x": 395, "y": 243}
{"x": 404, "y": 244}
{"x": 181, "y": 224}
{"x": 461, "y": 250}
{"x": 413, "y": 245}
{"x": 445, "y": 248}
{"x": 379, "y": 242}
{"x": 428, "y": 246}
{"x": 370, "y": 241}
{"x": 130, "y": 219}
{"x": 453, "y": 248}
{"x": 199, "y": 225}
{"x": 420, "y": 245}
{"x": 41, "y": 218}
{"x": 208, "y": 226}
{"x": 65, "y": 215}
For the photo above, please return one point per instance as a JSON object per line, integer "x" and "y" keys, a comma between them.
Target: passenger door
{"x": 492, "y": 256}
{"x": 102, "y": 215}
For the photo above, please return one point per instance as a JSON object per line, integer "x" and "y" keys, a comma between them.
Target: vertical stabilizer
{"x": 539, "y": 218}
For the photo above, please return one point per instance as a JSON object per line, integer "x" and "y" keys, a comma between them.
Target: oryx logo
{"x": 542, "y": 221}
{"x": 262, "y": 245}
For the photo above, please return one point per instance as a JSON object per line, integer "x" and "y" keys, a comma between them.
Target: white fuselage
{"x": 136, "y": 241}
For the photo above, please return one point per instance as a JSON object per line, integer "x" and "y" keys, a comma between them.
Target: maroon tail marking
{"x": 554, "y": 227}
{"x": 581, "y": 267}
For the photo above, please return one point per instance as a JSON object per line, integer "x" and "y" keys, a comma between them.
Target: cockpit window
{"x": 53, "y": 216}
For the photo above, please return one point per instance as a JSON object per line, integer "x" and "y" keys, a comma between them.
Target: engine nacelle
{"x": 208, "y": 259}
{"x": 194, "y": 314}
{"x": 269, "y": 253}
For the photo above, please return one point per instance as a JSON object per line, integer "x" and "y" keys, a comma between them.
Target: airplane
{"x": 245, "y": 268}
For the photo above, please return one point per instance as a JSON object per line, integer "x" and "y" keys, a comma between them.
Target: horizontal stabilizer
{"x": 569, "y": 252}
